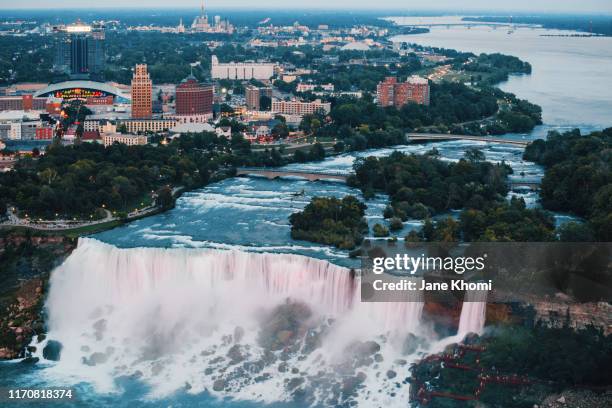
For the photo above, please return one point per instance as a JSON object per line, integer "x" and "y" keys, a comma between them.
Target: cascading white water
{"x": 473, "y": 313}
{"x": 190, "y": 317}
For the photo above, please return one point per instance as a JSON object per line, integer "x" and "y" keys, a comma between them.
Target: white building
{"x": 295, "y": 107}
{"x": 181, "y": 128}
{"x": 130, "y": 140}
{"x": 241, "y": 70}
{"x": 303, "y": 87}
{"x": 224, "y": 131}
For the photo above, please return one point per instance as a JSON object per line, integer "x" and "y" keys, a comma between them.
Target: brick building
{"x": 142, "y": 93}
{"x": 392, "y": 93}
{"x": 193, "y": 98}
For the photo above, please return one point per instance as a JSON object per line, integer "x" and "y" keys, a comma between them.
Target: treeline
{"x": 498, "y": 222}
{"x": 355, "y": 77}
{"x": 497, "y": 66}
{"x": 578, "y": 179}
{"x": 331, "y": 221}
{"x": 78, "y": 181}
{"x": 563, "y": 356}
{"x": 454, "y": 108}
{"x": 598, "y": 24}
{"x": 422, "y": 187}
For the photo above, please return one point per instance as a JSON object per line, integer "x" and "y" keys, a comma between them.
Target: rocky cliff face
{"x": 576, "y": 315}
{"x": 555, "y": 313}
{"x": 25, "y": 264}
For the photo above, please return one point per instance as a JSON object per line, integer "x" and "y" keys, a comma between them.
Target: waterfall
{"x": 172, "y": 317}
{"x": 473, "y": 313}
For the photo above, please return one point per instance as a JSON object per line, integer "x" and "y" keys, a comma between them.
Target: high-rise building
{"x": 254, "y": 94}
{"x": 193, "y": 98}
{"x": 142, "y": 93}
{"x": 392, "y": 93}
{"x": 80, "y": 50}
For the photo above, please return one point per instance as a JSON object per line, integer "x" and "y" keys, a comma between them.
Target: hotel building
{"x": 392, "y": 93}
{"x": 142, "y": 93}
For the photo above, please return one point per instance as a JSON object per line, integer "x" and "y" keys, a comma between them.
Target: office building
{"x": 142, "y": 93}
{"x": 254, "y": 95}
{"x": 80, "y": 50}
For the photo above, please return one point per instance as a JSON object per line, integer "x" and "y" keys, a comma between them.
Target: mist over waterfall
{"x": 262, "y": 327}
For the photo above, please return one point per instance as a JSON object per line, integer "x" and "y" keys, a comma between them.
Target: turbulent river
{"x": 214, "y": 300}
{"x": 213, "y": 304}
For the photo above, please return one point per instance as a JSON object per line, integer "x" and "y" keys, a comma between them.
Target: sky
{"x": 552, "y": 6}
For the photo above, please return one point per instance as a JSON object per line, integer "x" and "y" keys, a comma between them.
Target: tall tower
{"x": 142, "y": 93}
{"x": 200, "y": 23}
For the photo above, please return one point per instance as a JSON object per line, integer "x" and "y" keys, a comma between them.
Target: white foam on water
{"x": 165, "y": 316}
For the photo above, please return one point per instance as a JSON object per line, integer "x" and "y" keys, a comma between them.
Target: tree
{"x": 122, "y": 128}
{"x": 164, "y": 197}
{"x": 396, "y": 224}
{"x": 474, "y": 155}
{"x": 317, "y": 152}
{"x": 280, "y": 131}
{"x": 576, "y": 232}
{"x": 380, "y": 231}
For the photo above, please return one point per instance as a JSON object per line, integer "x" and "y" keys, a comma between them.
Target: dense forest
{"x": 331, "y": 221}
{"x": 454, "y": 108}
{"x": 420, "y": 186}
{"x": 578, "y": 178}
{"x": 78, "y": 181}
{"x": 499, "y": 222}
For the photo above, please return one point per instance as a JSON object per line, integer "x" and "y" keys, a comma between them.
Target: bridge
{"x": 421, "y": 137}
{"x": 273, "y": 174}
{"x": 532, "y": 185}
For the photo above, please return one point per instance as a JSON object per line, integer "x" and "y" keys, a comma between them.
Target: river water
{"x": 251, "y": 215}
{"x": 570, "y": 79}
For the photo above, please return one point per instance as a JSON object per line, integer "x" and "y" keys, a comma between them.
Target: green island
{"x": 331, "y": 221}
{"x": 577, "y": 180}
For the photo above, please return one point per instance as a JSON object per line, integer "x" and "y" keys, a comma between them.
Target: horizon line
{"x": 443, "y": 11}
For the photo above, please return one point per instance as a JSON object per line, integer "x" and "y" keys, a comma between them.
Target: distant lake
{"x": 571, "y": 78}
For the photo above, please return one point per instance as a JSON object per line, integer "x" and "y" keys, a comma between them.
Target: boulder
{"x": 52, "y": 350}
{"x": 219, "y": 385}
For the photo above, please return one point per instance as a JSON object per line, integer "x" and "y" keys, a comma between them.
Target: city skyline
{"x": 599, "y": 6}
